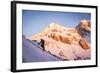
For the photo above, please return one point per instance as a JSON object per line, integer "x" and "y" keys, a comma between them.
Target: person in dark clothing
{"x": 42, "y": 44}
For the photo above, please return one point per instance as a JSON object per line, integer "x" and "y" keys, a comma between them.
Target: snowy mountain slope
{"x": 32, "y": 53}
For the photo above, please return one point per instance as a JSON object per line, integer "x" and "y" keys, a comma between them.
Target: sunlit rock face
{"x": 84, "y": 29}
{"x": 66, "y": 43}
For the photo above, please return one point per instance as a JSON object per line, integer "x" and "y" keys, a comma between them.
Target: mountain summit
{"x": 66, "y": 43}
{"x": 84, "y": 29}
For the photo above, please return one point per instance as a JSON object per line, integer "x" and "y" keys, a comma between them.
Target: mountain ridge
{"x": 62, "y": 42}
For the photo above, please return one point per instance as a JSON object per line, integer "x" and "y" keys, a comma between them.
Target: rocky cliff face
{"x": 66, "y": 43}
{"x": 84, "y": 29}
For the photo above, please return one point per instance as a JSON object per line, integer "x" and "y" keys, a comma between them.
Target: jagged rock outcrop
{"x": 84, "y": 44}
{"x": 66, "y": 43}
{"x": 84, "y": 29}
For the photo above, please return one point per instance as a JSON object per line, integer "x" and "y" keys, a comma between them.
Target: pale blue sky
{"x": 35, "y": 21}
